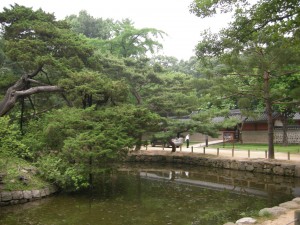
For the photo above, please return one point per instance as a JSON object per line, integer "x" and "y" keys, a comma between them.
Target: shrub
{"x": 10, "y": 139}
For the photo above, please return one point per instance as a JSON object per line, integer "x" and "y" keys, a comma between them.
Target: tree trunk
{"x": 172, "y": 145}
{"x": 137, "y": 96}
{"x": 20, "y": 89}
{"x": 138, "y": 144}
{"x": 240, "y": 130}
{"x": 269, "y": 111}
{"x": 285, "y": 140}
{"x": 90, "y": 171}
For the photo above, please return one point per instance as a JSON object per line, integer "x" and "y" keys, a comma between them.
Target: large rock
{"x": 249, "y": 167}
{"x": 297, "y": 200}
{"x": 36, "y": 193}
{"x": 27, "y": 195}
{"x": 246, "y": 220}
{"x": 274, "y": 211}
{"x": 43, "y": 193}
{"x": 289, "y": 205}
{"x": 6, "y": 196}
{"x": 17, "y": 195}
{"x": 47, "y": 191}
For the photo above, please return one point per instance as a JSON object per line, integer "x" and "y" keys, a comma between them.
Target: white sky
{"x": 170, "y": 16}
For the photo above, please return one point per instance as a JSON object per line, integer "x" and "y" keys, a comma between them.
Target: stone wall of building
{"x": 259, "y": 137}
{"x": 197, "y": 137}
{"x": 262, "y": 136}
{"x": 293, "y": 136}
{"x": 251, "y": 165}
{"x": 18, "y": 197}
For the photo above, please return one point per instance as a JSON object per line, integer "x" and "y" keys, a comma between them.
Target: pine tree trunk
{"x": 138, "y": 144}
{"x": 22, "y": 89}
{"x": 172, "y": 145}
{"x": 285, "y": 140}
{"x": 269, "y": 111}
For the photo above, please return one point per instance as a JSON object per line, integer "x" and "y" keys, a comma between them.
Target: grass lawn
{"x": 16, "y": 176}
{"x": 292, "y": 148}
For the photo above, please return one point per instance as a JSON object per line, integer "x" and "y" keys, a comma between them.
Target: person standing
{"x": 187, "y": 140}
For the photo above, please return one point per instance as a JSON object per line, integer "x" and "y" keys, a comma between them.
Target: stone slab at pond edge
{"x": 18, "y": 197}
{"x": 266, "y": 166}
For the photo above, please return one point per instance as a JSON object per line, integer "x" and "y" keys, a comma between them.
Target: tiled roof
{"x": 263, "y": 117}
{"x": 260, "y": 117}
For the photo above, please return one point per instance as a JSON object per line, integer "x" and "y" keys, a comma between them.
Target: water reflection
{"x": 147, "y": 195}
{"x": 240, "y": 182}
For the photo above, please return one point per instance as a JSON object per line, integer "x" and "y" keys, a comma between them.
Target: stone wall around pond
{"x": 272, "y": 167}
{"x": 19, "y": 197}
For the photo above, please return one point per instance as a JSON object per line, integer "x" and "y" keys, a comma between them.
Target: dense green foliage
{"x": 72, "y": 141}
{"x": 13, "y": 153}
{"x": 10, "y": 141}
{"x": 108, "y": 93}
{"x": 258, "y": 54}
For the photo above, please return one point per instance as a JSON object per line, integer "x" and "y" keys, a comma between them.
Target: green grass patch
{"x": 292, "y": 148}
{"x": 19, "y": 175}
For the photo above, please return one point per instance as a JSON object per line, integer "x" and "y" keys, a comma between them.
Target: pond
{"x": 160, "y": 195}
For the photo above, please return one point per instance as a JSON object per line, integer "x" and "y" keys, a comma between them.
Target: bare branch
{"x": 37, "y": 82}
{"x": 13, "y": 93}
{"x": 35, "y": 90}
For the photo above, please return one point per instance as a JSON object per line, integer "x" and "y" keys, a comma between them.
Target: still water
{"x": 159, "y": 195}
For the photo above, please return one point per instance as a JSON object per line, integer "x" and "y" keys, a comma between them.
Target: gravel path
{"x": 237, "y": 153}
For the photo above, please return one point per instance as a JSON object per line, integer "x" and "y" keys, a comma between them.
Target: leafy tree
{"x": 208, "y": 8}
{"x": 38, "y": 44}
{"x": 10, "y": 142}
{"x": 91, "y": 27}
{"x": 2, "y": 55}
{"x": 261, "y": 44}
{"x": 198, "y": 122}
{"x": 87, "y": 88}
{"x": 135, "y": 72}
{"x": 285, "y": 105}
{"x": 77, "y": 140}
{"x": 172, "y": 64}
{"x": 128, "y": 41}
{"x": 175, "y": 96}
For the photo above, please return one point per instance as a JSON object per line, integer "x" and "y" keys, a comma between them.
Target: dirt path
{"x": 237, "y": 153}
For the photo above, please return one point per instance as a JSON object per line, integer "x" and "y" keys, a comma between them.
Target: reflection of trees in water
{"x": 236, "y": 181}
{"x": 171, "y": 195}
{"x": 245, "y": 183}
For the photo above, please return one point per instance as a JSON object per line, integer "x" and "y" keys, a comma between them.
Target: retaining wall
{"x": 18, "y": 197}
{"x": 272, "y": 167}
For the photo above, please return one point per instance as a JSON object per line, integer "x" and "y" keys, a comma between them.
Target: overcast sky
{"x": 170, "y": 16}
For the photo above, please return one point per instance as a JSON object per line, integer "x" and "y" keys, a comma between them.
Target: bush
{"x": 62, "y": 173}
{"x": 10, "y": 140}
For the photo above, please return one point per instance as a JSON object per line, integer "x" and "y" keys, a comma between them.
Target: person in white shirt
{"x": 187, "y": 140}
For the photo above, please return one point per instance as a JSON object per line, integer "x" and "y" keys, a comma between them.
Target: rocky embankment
{"x": 273, "y": 167}
{"x": 281, "y": 215}
{"x": 18, "y": 197}
{"x": 23, "y": 196}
